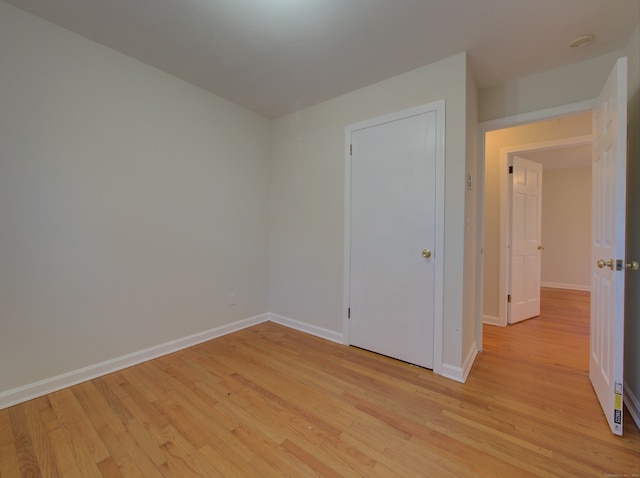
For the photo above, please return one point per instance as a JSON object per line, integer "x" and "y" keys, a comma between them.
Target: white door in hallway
{"x": 393, "y": 251}
{"x": 526, "y": 237}
{"x": 608, "y": 245}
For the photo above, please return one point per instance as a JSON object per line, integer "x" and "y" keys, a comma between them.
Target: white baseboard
{"x": 490, "y": 320}
{"x": 307, "y": 328}
{"x": 633, "y": 405}
{"x": 557, "y": 285}
{"x": 460, "y": 374}
{"x": 53, "y": 384}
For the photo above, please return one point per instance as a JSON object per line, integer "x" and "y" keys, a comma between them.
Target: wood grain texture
{"x": 271, "y": 401}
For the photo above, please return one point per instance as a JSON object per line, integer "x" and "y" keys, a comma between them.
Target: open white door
{"x": 608, "y": 245}
{"x": 526, "y": 248}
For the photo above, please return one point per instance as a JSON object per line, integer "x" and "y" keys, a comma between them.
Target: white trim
{"x": 535, "y": 116}
{"x": 346, "y": 281}
{"x": 438, "y": 319}
{"x": 480, "y": 245}
{"x": 307, "y": 328}
{"x": 460, "y": 374}
{"x": 633, "y": 405}
{"x": 551, "y": 144}
{"x": 53, "y": 384}
{"x": 479, "y": 310}
{"x": 438, "y": 308}
{"x": 557, "y": 285}
{"x": 504, "y": 258}
{"x": 491, "y": 320}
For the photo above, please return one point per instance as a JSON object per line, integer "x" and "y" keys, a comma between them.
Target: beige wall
{"x": 577, "y": 125}
{"x": 566, "y": 228}
{"x": 472, "y": 336}
{"x": 307, "y": 197}
{"x": 632, "y": 293}
{"x": 562, "y": 86}
{"x": 131, "y": 204}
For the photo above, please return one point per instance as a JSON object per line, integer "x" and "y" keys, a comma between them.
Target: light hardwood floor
{"x": 270, "y": 401}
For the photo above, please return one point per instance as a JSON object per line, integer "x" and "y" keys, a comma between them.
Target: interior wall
{"x": 131, "y": 204}
{"x": 632, "y": 292}
{"x": 472, "y": 331}
{"x": 307, "y": 196}
{"x": 566, "y": 228}
{"x": 570, "y": 126}
{"x": 562, "y": 86}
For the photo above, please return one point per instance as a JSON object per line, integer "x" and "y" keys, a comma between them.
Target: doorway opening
{"x": 488, "y": 290}
{"x": 563, "y": 250}
{"x": 562, "y": 144}
{"x": 606, "y": 352}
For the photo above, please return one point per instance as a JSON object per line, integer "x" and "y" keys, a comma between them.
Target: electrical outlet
{"x": 232, "y": 298}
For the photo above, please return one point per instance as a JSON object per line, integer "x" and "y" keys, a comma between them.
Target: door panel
{"x": 526, "y": 221}
{"x": 608, "y": 245}
{"x": 393, "y": 200}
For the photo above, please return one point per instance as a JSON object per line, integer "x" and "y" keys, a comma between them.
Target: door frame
{"x": 483, "y": 128}
{"x": 506, "y": 192}
{"x": 438, "y": 256}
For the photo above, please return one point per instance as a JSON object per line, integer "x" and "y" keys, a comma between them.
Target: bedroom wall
{"x": 562, "y": 86}
{"x": 307, "y": 199}
{"x": 131, "y": 205}
{"x": 472, "y": 328}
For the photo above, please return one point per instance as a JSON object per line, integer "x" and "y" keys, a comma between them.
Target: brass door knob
{"x": 633, "y": 265}
{"x": 541, "y": 248}
{"x": 426, "y": 253}
{"x": 602, "y": 264}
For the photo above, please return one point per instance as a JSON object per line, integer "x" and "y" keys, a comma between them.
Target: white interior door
{"x": 608, "y": 245}
{"x": 392, "y": 221}
{"x": 526, "y": 235}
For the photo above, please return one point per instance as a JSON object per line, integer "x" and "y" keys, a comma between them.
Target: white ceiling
{"x": 278, "y": 56}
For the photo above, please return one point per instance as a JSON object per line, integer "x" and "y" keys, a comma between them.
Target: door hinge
{"x": 349, "y": 313}
{"x": 510, "y": 169}
{"x": 509, "y": 298}
{"x": 350, "y": 150}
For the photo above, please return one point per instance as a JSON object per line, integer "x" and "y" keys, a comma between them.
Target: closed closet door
{"x": 393, "y": 236}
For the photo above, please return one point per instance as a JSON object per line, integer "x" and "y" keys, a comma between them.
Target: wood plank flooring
{"x": 270, "y": 401}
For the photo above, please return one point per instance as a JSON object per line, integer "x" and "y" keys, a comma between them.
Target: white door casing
{"x": 395, "y": 212}
{"x": 609, "y": 159}
{"x": 526, "y": 236}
